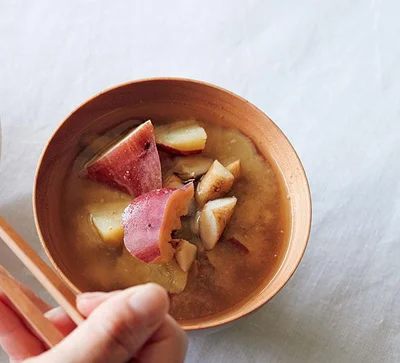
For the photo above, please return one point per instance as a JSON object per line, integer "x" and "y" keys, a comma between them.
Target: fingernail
{"x": 54, "y": 313}
{"x": 91, "y": 295}
{"x": 150, "y": 303}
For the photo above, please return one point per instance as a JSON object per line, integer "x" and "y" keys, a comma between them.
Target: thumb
{"x": 117, "y": 329}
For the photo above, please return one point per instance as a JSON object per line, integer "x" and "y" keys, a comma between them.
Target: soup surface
{"x": 219, "y": 278}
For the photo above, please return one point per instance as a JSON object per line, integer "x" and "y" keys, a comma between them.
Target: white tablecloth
{"x": 326, "y": 71}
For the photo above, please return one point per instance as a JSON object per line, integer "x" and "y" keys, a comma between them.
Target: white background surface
{"x": 326, "y": 71}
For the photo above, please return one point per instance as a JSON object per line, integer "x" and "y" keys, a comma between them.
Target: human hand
{"x": 121, "y": 326}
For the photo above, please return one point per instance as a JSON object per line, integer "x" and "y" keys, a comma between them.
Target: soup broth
{"x": 249, "y": 252}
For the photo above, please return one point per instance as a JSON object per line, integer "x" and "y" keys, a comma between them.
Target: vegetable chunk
{"x": 106, "y": 218}
{"x": 185, "y": 254}
{"x": 149, "y": 220}
{"x": 213, "y": 219}
{"x": 215, "y": 183}
{"x": 131, "y": 165}
{"x": 181, "y": 137}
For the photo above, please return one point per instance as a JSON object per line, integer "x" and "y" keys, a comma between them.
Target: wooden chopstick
{"x": 44, "y": 329}
{"x": 43, "y": 273}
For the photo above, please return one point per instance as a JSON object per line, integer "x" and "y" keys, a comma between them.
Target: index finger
{"x": 15, "y": 338}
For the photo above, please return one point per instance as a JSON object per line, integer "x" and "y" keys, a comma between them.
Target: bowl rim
{"x": 186, "y": 325}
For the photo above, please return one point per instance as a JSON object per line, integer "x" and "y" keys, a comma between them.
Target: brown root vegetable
{"x": 215, "y": 183}
{"x": 214, "y": 218}
{"x": 235, "y": 169}
{"x": 195, "y": 223}
{"x": 191, "y": 167}
{"x": 185, "y": 253}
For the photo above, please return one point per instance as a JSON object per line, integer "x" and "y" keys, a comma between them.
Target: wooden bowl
{"x": 173, "y": 98}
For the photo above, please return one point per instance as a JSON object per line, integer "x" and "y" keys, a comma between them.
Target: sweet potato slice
{"x": 131, "y": 165}
{"x": 181, "y": 137}
{"x": 149, "y": 220}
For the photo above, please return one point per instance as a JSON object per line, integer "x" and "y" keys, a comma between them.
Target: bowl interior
{"x": 168, "y": 99}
